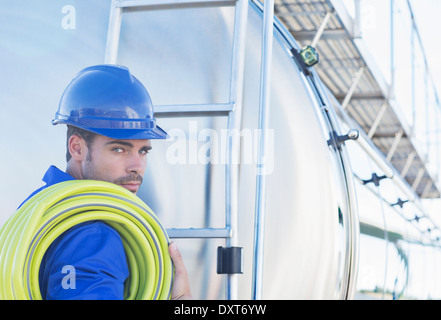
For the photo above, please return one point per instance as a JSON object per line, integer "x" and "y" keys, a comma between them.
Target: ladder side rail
{"x": 233, "y": 143}
{"x": 264, "y": 105}
{"x": 113, "y": 33}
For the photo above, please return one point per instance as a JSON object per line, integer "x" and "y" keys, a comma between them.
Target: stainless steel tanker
{"x": 328, "y": 234}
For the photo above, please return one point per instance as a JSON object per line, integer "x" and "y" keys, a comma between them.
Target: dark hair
{"x": 86, "y": 135}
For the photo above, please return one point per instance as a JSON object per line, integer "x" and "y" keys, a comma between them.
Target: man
{"x": 110, "y": 123}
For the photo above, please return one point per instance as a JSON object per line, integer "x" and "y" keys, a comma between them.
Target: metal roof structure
{"x": 350, "y": 74}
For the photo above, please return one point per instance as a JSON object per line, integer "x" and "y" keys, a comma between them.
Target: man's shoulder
{"x": 52, "y": 176}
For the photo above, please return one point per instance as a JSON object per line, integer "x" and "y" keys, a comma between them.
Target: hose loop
{"x": 28, "y": 233}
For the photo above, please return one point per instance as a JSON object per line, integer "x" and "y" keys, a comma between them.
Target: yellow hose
{"x": 29, "y": 232}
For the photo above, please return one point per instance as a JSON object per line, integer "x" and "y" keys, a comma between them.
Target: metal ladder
{"x": 232, "y": 109}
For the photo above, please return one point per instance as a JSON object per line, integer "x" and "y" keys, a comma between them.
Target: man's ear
{"x": 77, "y": 147}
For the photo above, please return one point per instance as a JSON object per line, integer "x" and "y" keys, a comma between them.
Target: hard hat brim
{"x": 132, "y": 134}
{"x": 122, "y": 134}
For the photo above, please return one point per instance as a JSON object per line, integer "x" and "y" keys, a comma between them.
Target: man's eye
{"x": 118, "y": 150}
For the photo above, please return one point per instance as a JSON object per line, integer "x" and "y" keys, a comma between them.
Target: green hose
{"x": 29, "y": 232}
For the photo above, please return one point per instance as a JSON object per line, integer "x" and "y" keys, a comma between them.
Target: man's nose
{"x": 136, "y": 164}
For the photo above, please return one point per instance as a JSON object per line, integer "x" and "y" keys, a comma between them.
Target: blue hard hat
{"x": 110, "y": 101}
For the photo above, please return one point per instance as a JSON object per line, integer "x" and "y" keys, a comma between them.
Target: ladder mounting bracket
{"x": 229, "y": 260}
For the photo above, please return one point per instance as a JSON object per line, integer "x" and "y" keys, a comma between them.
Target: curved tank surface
{"x": 328, "y": 234}
{"x": 307, "y": 238}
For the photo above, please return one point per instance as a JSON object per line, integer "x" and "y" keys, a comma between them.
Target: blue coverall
{"x": 92, "y": 254}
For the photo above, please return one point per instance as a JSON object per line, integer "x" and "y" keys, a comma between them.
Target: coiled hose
{"x": 29, "y": 232}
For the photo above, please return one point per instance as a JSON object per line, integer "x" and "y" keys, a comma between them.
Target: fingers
{"x": 181, "y": 286}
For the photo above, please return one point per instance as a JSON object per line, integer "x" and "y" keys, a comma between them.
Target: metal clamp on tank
{"x": 229, "y": 260}
{"x": 375, "y": 179}
{"x": 352, "y": 134}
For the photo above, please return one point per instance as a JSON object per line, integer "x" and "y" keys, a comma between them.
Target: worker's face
{"x": 122, "y": 162}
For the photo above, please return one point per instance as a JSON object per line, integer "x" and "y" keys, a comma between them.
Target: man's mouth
{"x": 133, "y": 187}
{"x": 131, "y": 182}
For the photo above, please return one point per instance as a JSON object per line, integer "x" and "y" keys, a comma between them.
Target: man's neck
{"x": 74, "y": 171}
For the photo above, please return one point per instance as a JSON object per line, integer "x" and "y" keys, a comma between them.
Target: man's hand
{"x": 181, "y": 286}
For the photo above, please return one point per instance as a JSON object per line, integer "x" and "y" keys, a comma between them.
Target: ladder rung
{"x": 148, "y": 3}
{"x": 200, "y": 233}
{"x": 184, "y": 108}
